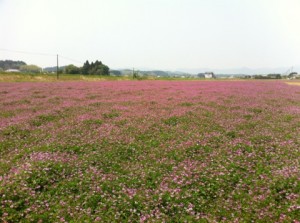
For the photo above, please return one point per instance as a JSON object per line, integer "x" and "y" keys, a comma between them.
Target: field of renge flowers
{"x": 150, "y": 151}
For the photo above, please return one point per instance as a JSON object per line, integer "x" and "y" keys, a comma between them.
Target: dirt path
{"x": 293, "y": 83}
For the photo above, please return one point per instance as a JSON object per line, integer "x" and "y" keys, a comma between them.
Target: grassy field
{"x": 18, "y": 77}
{"x": 47, "y": 77}
{"x": 149, "y": 151}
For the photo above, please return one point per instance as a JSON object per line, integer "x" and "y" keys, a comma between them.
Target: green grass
{"x": 50, "y": 77}
{"x": 19, "y": 77}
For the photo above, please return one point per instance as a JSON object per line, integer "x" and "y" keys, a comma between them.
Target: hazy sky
{"x": 159, "y": 34}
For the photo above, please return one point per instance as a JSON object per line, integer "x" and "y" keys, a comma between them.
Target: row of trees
{"x": 30, "y": 69}
{"x": 97, "y": 68}
{"x": 19, "y": 66}
{"x": 11, "y": 64}
{"x": 269, "y": 76}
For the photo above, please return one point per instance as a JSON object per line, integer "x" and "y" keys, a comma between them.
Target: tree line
{"x": 19, "y": 65}
{"x": 97, "y": 68}
{"x": 10, "y": 64}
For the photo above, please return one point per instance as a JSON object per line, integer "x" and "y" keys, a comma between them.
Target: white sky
{"x": 154, "y": 34}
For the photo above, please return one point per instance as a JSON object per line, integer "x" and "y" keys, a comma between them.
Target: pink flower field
{"x": 150, "y": 151}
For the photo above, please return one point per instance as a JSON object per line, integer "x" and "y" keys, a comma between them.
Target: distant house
{"x": 12, "y": 71}
{"x": 207, "y": 75}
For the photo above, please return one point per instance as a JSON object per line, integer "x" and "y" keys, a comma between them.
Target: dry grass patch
{"x": 293, "y": 83}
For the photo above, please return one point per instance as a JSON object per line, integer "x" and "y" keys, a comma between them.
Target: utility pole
{"x": 133, "y": 73}
{"x": 57, "y": 67}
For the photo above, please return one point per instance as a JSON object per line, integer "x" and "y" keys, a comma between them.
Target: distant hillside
{"x": 243, "y": 70}
{"x": 155, "y": 73}
{"x": 11, "y": 64}
{"x": 53, "y": 69}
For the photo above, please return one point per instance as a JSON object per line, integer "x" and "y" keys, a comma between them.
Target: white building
{"x": 12, "y": 71}
{"x": 209, "y": 75}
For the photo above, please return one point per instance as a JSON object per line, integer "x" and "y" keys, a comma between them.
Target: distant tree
{"x": 135, "y": 74}
{"x": 292, "y": 74}
{"x": 1, "y": 70}
{"x": 10, "y": 64}
{"x": 71, "y": 69}
{"x": 86, "y": 67}
{"x": 97, "y": 68}
{"x": 30, "y": 69}
{"x": 103, "y": 70}
{"x": 92, "y": 68}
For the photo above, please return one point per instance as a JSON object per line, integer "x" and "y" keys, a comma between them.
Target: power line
{"x": 26, "y": 52}
{"x": 40, "y": 54}
{"x": 67, "y": 58}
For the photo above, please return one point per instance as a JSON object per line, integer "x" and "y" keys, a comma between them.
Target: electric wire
{"x": 41, "y": 54}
